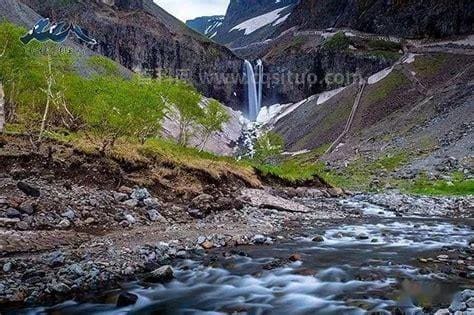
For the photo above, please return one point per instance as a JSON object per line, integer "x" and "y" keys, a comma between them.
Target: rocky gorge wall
{"x": 144, "y": 38}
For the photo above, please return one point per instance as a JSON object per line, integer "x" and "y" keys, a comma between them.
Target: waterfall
{"x": 254, "y": 93}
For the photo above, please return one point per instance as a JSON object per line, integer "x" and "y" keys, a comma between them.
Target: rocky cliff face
{"x": 2, "y": 111}
{"x": 206, "y": 25}
{"x": 249, "y": 21}
{"x": 143, "y": 37}
{"x": 403, "y": 18}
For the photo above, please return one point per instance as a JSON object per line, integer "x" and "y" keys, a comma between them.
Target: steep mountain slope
{"x": 248, "y": 21}
{"x": 145, "y": 38}
{"x": 206, "y": 25}
{"x": 407, "y": 18}
{"x": 419, "y": 110}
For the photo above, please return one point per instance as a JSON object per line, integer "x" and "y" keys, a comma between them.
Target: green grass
{"x": 103, "y": 65}
{"x": 429, "y": 65}
{"x": 383, "y": 45}
{"x": 458, "y": 186}
{"x": 291, "y": 171}
{"x": 338, "y": 42}
{"x": 390, "y": 55}
{"x": 385, "y": 87}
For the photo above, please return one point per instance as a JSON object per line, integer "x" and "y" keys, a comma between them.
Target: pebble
{"x": 207, "y": 245}
{"x": 13, "y": 213}
{"x": 132, "y": 203}
{"x": 140, "y": 194}
{"x": 64, "y": 224}
{"x": 130, "y": 219}
{"x": 27, "y": 208}
{"x": 69, "y": 214}
{"x": 318, "y": 239}
{"x": 295, "y": 257}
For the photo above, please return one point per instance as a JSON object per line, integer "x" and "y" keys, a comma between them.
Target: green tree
{"x": 268, "y": 145}
{"x": 213, "y": 119}
{"x": 184, "y": 106}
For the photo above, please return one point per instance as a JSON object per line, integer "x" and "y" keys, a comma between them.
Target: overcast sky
{"x": 188, "y": 9}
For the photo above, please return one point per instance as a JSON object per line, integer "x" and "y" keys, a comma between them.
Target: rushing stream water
{"x": 370, "y": 265}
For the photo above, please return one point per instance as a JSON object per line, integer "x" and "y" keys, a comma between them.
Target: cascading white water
{"x": 254, "y": 92}
{"x": 260, "y": 83}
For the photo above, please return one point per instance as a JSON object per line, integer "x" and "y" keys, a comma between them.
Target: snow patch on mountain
{"x": 256, "y": 23}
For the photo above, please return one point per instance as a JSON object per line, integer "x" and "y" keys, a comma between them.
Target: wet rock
{"x": 443, "y": 311}
{"x": 318, "y": 239}
{"x": 295, "y": 257}
{"x": 259, "y": 239}
{"x": 162, "y": 274}
{"x": 263, "y": 199}
{"x": 362, "y": 236}
{"x": 457, "y": 306}
{"x": 75, "y": 269}
{"x": 13, "y": 213}
{"x": 201, "y": 239}
{"x": 126, "y": 299}
{"x": 27, "y": 208}
{"x": 140, "y": 194}
{"x": 28, "y": 189}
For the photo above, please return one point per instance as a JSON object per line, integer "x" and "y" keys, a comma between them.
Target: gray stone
{"x": 130, "y": 219}
{"x": 28, "y": 189}
{"x": 259, "y": 239}
{"x": 59, "y": 287}
{"x": 201, "y": 239}
{"x": 75, "y": 269}
{"x": 69, "y": 214}
{"x": 55, "y": 259}
{"x": 470, "y": 302}
{"x": 443, "y": 311}
{"x": 27, "y": 208}
{"x": 22, "y": 226}
{"x": 140, "y": 194}
{"x": 151, "y": 202}
{"x": 162, "y": 274}
{"x": 2, "y": 289}
{"x": 64, "y": 224}
{"x": 7, "y": 267}
{"x": 457, "y": 306}
{"x": 132, "y": 203}
{"x": 120, "y": 196}
{"x": 13, "y": 213}
{"x": 155, "y": 216}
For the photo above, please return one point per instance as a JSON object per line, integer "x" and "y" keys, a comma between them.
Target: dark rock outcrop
{"x": 143, "y": 37}
{"x": 240, "y": 11}
{"x": 403, "y": 18}
{"x": 206, "y": 25}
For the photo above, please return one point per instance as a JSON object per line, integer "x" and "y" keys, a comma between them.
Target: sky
{"x": 189, "y": 9}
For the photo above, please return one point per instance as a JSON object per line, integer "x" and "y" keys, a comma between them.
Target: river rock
{"x": 64, "y": 224}
{"x": 120, "y": 197}
{"x": 263, "y": 199}
{"x": 155, "y": 216}
{"x": 27, "y": 208}
{"x": 203, "y": 202}
{"x": 162, "y": 274}
{"x": 207, "y": 245}
{"x": 140, "y": 194}
{"x": 295, "y": 257}
{"x": 318, "y": 239}
{"x": 335, "y": 192}
{"x": 69, "y": 214}
{"x": 13, "y": 213}
{"x": 151, "y": 202}
{"x": 132, "y": 203}
{"x": 126, "y": 299}
{"x": 457, "y": 306}
{"x": 470, "y": 303}
{"x": 28, "y": 189}
{"x": 7, "y": 267}
{"x": 362, "y": 236}
{"x": 55, "y": 259}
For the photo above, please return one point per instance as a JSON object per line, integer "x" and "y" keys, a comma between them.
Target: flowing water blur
{"x": 362, "y": 267}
